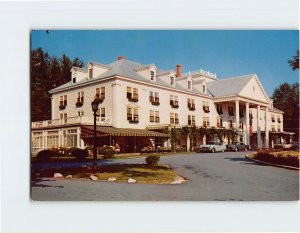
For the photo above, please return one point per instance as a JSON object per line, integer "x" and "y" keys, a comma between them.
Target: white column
{"x": 237, "y": 118}
{"x": 78, "y": 137}
{"x": 114, "y": 105}
{"x": 267, "y": 129}
{"x": 258, "y": 128}
{"x": 247, "y": 125}
{"x": 188, "y": 143}
{"x": 52, "y": 108}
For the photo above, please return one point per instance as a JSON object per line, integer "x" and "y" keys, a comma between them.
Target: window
{"x": 206, "y": 121}
{"x": 80, "y": 113}
{"x": 230, "y": 110}
{"x": 273, "y": 128}
{"x": 174, "y": 118}
{"x": 151, "y": 116}
{"x": 273, "y": 118}
{"x": 70, "y": 138}
{"x": 132, "y": 115}
{"x": 37, "y": 140}
{"x": 74, "y": 80}
{"x": 80, "y": 99}
{"x": 132, "y": 94}
{"x": 62, "y": 102}
{"x": 191, "y": 120}
{"x": 278, "y": 119}
{"x": 219, "y": 122}
{"x": 219, "y": 108}
{"x": 174, "y": 101}
{"x": 64, "y": 117}
{"x": 278, "y": 128}
{"x": 191, "y": 104}
{"x": 100, "y": 93}
{"x": 152, "y": 74}
{"x": 172, "y": 81}
{"x": 206, "y": 107}
{"x": 151, "y": 96}
{"x": 52, "y": 139}
{"x": 156, "y": 116}
{"x": 91, "y": 73}
{"x": 189, "y": 84}
{"x": 101, "y": 114}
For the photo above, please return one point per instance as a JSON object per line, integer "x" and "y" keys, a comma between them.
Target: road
{"x": 212, "y": 177}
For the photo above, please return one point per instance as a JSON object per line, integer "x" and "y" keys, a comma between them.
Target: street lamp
{"x": 95, "y": 105}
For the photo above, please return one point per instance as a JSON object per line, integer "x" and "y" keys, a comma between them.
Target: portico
{"x": 244, "y": 126}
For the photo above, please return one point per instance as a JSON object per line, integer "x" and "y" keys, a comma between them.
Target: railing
{"x": 88, "y": 120}
{"x": 202, "y": 72}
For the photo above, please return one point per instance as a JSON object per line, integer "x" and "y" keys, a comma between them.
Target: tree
{"x": 47, "y": 73}
{"x": 294, "y": 62}
{"x": 286, "y": 98}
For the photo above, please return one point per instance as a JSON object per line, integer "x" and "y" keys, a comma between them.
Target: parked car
{"x": 237, "y": 146}
{"x": 295, "y": 146}
{"x": 212, "y": 146}
{"x": 282, "y": 146}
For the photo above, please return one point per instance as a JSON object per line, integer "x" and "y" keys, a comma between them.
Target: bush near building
{"x": 287, "y": 158}
{"x": 108, "y": 152}
{"x": 152, "y": 159}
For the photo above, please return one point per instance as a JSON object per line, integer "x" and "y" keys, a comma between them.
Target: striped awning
{"x": 102, "y": 131}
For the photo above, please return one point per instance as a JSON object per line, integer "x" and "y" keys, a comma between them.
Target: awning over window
{"x": 102, "y": 131}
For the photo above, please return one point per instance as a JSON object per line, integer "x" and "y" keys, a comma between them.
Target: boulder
{"x": 69, "y": 176}
{"x": 130, "y": 180}
{"x": 93, "y": 177}
{"x": 58, "y": 175}
{"x": 111, "y": 179}
{"x": 178, "y": 180}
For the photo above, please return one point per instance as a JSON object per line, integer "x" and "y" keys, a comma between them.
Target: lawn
{"x": 142, "y": 173}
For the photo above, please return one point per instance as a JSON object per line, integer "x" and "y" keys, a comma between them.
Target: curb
{"x": 271, "y": 164}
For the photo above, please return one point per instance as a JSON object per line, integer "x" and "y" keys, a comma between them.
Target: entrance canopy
{"x": 102, "y": 131}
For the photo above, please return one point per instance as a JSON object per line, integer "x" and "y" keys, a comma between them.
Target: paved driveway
{"x": 220, "y": 176}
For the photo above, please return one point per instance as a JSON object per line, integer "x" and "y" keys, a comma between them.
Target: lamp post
{"x": 95, "y": 105}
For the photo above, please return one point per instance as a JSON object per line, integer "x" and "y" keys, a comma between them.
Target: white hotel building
{"x": 139, "y": 101}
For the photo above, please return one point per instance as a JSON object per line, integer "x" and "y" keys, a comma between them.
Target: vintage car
{"x": 237, "y": 146}
{"x": 212, "y": 146}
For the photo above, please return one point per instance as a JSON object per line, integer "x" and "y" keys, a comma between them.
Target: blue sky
{"x": 227, "y": 53}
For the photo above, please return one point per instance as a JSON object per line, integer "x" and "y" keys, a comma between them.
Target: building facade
{"x": 139, "y": 102}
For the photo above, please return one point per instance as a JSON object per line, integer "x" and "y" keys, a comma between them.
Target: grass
{"x": 142, "y": 173}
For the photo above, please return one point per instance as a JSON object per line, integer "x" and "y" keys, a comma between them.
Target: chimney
{"x": 178, "y": 70}
{"x": 121, "y": 57}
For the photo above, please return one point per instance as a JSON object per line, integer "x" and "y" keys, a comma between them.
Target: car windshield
{"x": 211, "y": 143}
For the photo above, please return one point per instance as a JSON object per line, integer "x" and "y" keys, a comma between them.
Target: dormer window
{"x": 90, "y": 73}
{"x": 172, "y": 81}
{"x": 152, "y": 75}
{"x": 189, "y": 85}
{"x": 74, "y": 80}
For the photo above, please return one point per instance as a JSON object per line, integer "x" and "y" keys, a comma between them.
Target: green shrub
{"x": 45, "y": 155}
{"x": 80, "y": 154}
{"x": 152, "y": 159}
{"x": 69, "y": 151}
{"x": 108, "y": 152}
{"x": 60, "y": 151}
